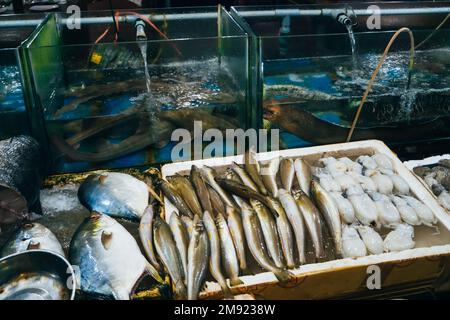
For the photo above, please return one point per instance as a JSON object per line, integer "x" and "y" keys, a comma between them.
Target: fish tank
{"x": 112, "y": 95}
{"x": 312, "y": 65}
{"x": 13, "y": 115}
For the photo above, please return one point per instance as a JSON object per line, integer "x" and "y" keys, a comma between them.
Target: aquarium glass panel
{"x": 114, "y": 101}
{"x": 13, "y": 115}
{"x": 309, "y": 83}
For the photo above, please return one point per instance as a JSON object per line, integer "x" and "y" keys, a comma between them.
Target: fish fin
{"x": 33, "y": 245}
{"x": 102, "y": 178}
{"x": 106, "y": 238}
{"x": 235, "y": 282}
{"x": 153, "y": 272}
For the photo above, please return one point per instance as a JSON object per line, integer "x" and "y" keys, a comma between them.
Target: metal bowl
{"x": 36, "y": 275}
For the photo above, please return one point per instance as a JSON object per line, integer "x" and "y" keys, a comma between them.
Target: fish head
{"x": 272, "y": 110}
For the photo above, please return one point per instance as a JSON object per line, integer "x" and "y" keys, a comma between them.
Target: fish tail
{"x": 236, "y": 282}
{"x": 227, "y": 292}
{"x": 154, "y": 273}
{"x": 283, "y": 276}
{"x": 180, "y": 291}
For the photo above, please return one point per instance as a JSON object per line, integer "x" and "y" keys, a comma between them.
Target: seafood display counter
{"x": 110, "y": 95}
{"x": 413, "y": 253}
{"x": 13, "y": 115}
{"x": 311, "y": 69}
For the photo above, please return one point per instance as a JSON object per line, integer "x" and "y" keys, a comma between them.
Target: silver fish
{"x": 209, "y": 175}
{"x": 185, "y": 189}
{"x": 269, "y": 175}
{"x": 303, "y": 174}
{"x": 181, "y": 238}
{"x": 32, "y": 236}
{"x": 198, "y": 257}
{"x": 172, "y": 194}
{"x": 269, "y": 230}
{"x": 216, "y": 201}
{"x": 201, "y": 188}
{"x": 146, "y": 236}
{"x": 256, "y": 245}
{"x": 287, "y": 173}
{"x": 230, "y": 259}
{"x": 166, "y": 248}
{"x": 215, "y": 257}
{"x": 330, "y": 211}
{"x": 116, "y": 194}
{"x": 311, "y": 216}
{"x": 103, "y": 249}
{"x": 295, "y": 217}
{"x": 251, "y": 165}
{"x": 237, "y": 233}
{"x": 243, "y": 175}
{"x": 285, "y": 233}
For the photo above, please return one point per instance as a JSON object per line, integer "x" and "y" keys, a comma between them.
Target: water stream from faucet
{"x": 351, "y": 36}
{"x": 143, "y": 47}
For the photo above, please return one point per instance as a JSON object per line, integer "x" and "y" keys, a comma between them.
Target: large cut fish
{"x": 110, "y": 261}
{"x": 116, "y": 194}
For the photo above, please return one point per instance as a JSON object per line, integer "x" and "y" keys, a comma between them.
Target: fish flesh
{"x": 198, "y": 257}
{"x": 229, "y": 256}
{"x": 367, "y": 162}
{"x": 407, "y": 213}
{"x": 388, "y": 214}
{"x": 166, "y": 248}
{"x": 255, "y": 242}
{"x": 252, "y": 167}
{"x": 303, "y": 174}
{"x": 400, "y": 239}
{"x": 371, "y": 238}
{"x": 330, "y": 212}
{"x": 269, "y": 175}
{"x": 185, "y": 189}
{"x": 215, "y": 253}
{"x": 32, "y": 236}
{"x": 209, "y": 175}
{"x": 287, "y": 173}
{"x": 295, "y": 218}
{"x": 365, "y": 210}
{"x": 201, "y": 188}
{"x": 269, "y": 231}
{"x": 345, "y": 207}
{"x": 103, "y": 249}
{"x": 352, "y": 245}
{"x": 20, "y": 178}
{"x": 424, "y": 213}
{"x": 285, "y": 233}
{"x": 116, "y": 194}
{"x": 237, "y": 233}
{"x": 365, "y": 182}
{"x": 172, "y": 195}
{"x": 311, "y": 216}
{"x": 181, "y": 238}
{"x": 146, "y": 236}
{"x": 352, "y": 166}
